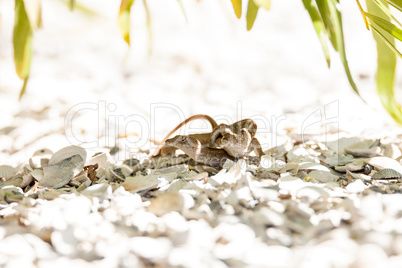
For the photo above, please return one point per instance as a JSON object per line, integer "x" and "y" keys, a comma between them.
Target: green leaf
{"x": 386, "y": 64}
{"x": 327, "y": 20}
{"x": 252, "y": 11}
{"x": 237, "y": 7}
{"x": 71, "y": 5}
{"x": 148, "y": 27}
{"x": 390, "y": 45}
{"x": 319, "y": 27}
{"x": 182, "y": 9}
{"x": 384, "y": 7}
{"x": 124, "y": 19}
{"x": 24, "y": 87}
{"x": 386, "y": 25}
{"x": 263, "y": 3}
{"x": 22, "y": 40}
{"x": 338, "y": 37}
{"x": 395, "y": 3}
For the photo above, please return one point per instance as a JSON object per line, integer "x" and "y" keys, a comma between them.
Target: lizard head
{"x": 187, "y": 144}
{"x": 177, "y": 141}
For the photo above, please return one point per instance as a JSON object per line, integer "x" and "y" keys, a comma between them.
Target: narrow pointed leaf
{"x": 74, "y": 5}
{"x": 252, "y": 11}
{"x": 326, "y": 19}
{"x": 384, "y": 7}
{"x": 124, "y": 19}
{"x": 182, "y": 9}
{"x": 77, "y": 6}
{"x": 263, "y": 3}
{"x": 338, "y": 37}
{"x": 386, "y": 41}
{"x": 24, "y": 87}
{"x": 319, "y": 27}
{"x": 396, "y": 4}
{"x": 386, "y": 64}
{"x": 237, "y": 7}
{"x": 71, "y": 5}
{"x": 22, "y": 40}
{"x": 386, "y": 26}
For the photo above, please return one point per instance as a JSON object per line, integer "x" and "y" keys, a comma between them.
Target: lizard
{"x": 204, "y": 138}
{"x": 198, "y": 151}
{"x": 236, "y": 139}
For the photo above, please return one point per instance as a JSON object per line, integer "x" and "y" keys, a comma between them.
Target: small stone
{"x": 356, "y": 187}
{"x": 322, "y": 176}
{"x": 166, "y": 203}
{"x": 140, "y": 183}
{"x": 154, "y": 249}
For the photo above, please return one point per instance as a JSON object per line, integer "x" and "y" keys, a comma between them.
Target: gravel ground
{"x": 86, "y": 87}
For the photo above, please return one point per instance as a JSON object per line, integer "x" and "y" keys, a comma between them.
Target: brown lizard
{"x": 236, "y": 139}
{"x": 198, "y": 151}
{"x": 204, "y": 138}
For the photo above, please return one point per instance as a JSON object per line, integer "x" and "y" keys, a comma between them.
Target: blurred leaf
{"x": 71, "y": 5}
{"x": 384, "y": 7}
{"x": 34, "y": 12}
{"x": 237, "y": 7}
{"x": 326, "y": 18}
{"x": 395, "y": 3}
{"x": 182, "y": 9}
{"x": 336, "y": 19}
{"x": 24, "y": 87}
{"x": 252, "y": 11}
{"x": 124, "y": 19}
{"x": 263, "y": 3}
{"x": 386, "y": 61}
{"x": 22, "y": 40}
{"x": 79, "y": 7}
{"x": 148, "y": 27}
{"x": 386, "y": 25}
{"x": 390, "y": 44}
{"x": 319, "y": 27}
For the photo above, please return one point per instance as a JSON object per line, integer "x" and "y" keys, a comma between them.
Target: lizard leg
{"x": 256, "y": 147}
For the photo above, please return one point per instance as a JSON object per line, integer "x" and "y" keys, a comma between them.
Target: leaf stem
{"x": 363, "y": 14}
